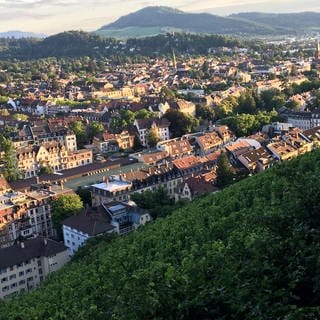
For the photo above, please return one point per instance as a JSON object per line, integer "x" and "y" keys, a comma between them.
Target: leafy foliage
{"x": 64, "y": 207}
{"x": 248, "y": 252}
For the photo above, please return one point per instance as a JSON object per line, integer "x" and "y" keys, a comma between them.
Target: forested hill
{"x": 79, "y": 44}
{"x": 159, "y": 19}
{"x": 248, "y": 252}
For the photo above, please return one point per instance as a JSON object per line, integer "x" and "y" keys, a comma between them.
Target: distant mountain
{"x": 155, "y": 20}
{"x": 21, "y": 34}
{"x": 299, "y": 22}
{"x": 166, "y": 18}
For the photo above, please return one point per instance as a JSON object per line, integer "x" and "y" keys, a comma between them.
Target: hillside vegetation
{"x": 248, "y": 252}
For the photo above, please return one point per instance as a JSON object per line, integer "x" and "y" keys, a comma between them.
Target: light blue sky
{"x": 52, "y": 16}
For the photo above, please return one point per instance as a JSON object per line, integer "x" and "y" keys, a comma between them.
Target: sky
{"x": 53, "y": 16}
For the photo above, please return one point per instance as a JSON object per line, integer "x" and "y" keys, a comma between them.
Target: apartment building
{"x": 25, "y": 265}
{"x": 160, "y": 126}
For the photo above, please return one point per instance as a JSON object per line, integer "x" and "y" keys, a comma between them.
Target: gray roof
{"x": 30, "y": 249}
{"x": 92, "y": 221}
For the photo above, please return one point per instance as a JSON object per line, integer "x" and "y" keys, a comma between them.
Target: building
{"x": 108, "y": 142}
{"x": 208, "y": 142}
{"x": 126, "y": 216}
{"x": 160, "y": 126}
{"x": 303, "y": 120}
{"x": 25, "y": 265}
{"x": 91, "y": 222}
{"x": 176, "y": 148}
{"x": 32, "y": 160}
{"x": 257, "y": 160}
{"x": 114, "y": 216}
{"x": 185, "y": 107}
{"x": 282, "y": 150}
{"x": 112, "y": 189}
{"x": 193, "y": 187}
{"x": 27, "y": 214}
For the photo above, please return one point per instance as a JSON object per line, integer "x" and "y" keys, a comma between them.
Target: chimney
{"x": 22, "y": 245}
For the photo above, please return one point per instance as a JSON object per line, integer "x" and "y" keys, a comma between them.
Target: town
{"x": 88, "y": 144}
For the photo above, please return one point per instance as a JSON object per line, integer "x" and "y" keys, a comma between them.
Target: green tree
{"x": 152, "y": 138}
{"x": 64, "y": 207}
{"x": 80, "y": 131}
{"x": 8, "y": 159}
{"x": 94, "y": 129}
{"x": 180, "y": 123}
{"x": 224, "y": 171}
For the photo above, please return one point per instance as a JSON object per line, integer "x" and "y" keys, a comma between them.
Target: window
{"x": 21, "y": 273}
{"x": 13, "y": 276}
{"x": 4, "y": 279}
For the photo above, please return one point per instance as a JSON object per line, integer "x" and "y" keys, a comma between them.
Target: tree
{"x": 64, "y": 207}
{"x": 94, "y": 129}
{"x": 180, "y": 123}
{"x": 84, "y": 194}
{"x": 166, "y": 94}
{"x": 224, "y": 171}
{"x": 20, "y": 117}
{"x": 46, "y": 170}
{"x": 8, "y": 159}
{"x": 205, "y": 112}
{"x": 137, "y": 145}
{"x": 79, "y": 130}
{"x": 152, "y": 138}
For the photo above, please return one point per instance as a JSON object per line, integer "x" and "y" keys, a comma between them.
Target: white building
{"x": 160, "y": 126}
{"x": 91, "y": 222}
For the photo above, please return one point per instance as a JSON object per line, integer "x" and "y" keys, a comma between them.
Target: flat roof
{"x": 116, "y": 185}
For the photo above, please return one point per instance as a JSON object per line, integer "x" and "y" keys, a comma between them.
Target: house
{"x": 151, "y": 158}
{"x": 184, "y": 106}
{"x": 238, "y": 148}
{"x": 107, "y": 142}
{"x": 313, "y": 135}
{"x": 160, "y": 126}
{"x": 79, "y": 158}
{"x": 90, "y": 222}
{"x": 282, "y": 150}
{"x": 25, "y": 265}
{"x": 224, "y": 133}
{"x": 176, "y": 148}
{"x": 208, "y": 142}
{"x": 189, "y": 165}
{"x": 193, "y": 187}
{"x": 257, "y": 160}
{"x": 126, "y": 216}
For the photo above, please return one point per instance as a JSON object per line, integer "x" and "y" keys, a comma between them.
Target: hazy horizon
{"x": 53, "y": 16}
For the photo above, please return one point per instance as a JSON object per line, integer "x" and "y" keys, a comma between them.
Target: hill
{"x": 292, "y": 22}
{"x": 21, "y": 34}
{"x": 164, "y": 17}
{"x": 149, "y": 20}
{"x": 248, "y": 252}
{"x": 78, "y": 44}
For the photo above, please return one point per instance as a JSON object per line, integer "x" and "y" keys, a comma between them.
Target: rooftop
{"x": 112, "y": 186}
